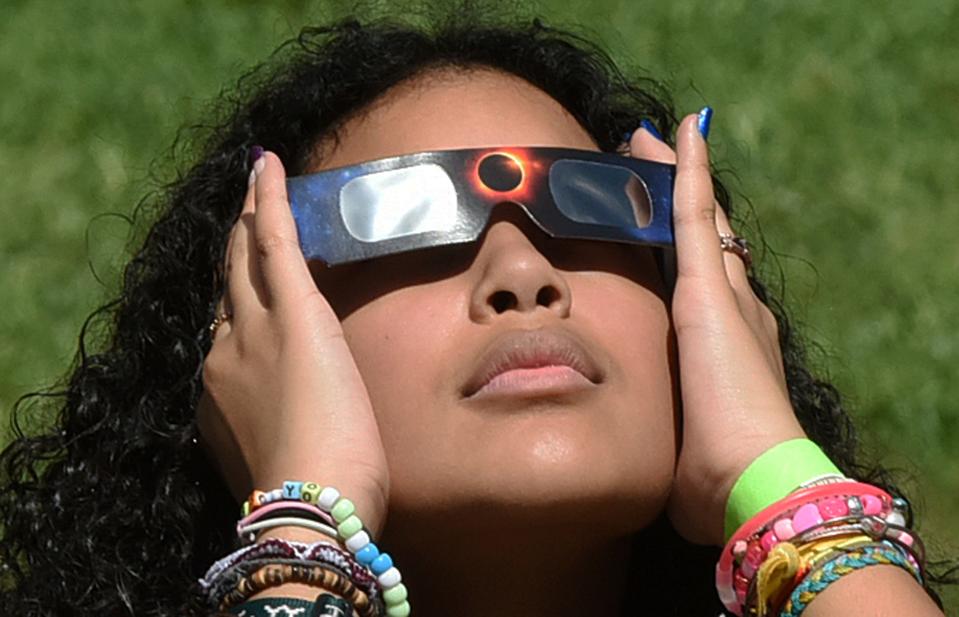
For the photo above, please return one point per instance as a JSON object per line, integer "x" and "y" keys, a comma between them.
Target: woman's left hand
{"x": 734, "y": 396}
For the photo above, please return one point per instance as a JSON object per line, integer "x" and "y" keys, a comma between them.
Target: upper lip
{"x": 519, "y": 349}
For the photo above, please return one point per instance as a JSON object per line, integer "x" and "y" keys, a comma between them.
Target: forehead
{"x": 450, "y": 108}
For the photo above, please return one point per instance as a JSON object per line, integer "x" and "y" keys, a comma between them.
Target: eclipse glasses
{"x": 428, "y": 199}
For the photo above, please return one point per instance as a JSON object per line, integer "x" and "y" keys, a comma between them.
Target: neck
{"x": 509, "y": 570}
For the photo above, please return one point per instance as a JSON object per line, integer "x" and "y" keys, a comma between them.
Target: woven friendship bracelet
{"x": 224, "y": 572}
{"x": 818, "y": 580}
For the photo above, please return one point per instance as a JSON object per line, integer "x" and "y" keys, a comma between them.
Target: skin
{"x": 361, "y": 368}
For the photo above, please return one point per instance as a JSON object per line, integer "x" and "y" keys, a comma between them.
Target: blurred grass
{"x": 839, "y": 119}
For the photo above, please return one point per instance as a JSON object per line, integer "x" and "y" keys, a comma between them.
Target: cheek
{"x": 632, "y": 324}
{"x": 398, "y": 341}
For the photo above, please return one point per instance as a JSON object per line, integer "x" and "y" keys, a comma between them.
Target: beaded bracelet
{"x": 817, "y": 581}
{"x": 783, "y": 520}
{"x": 274, "y": 575}
{"x": 349, "y": 530}
{"x": 230, "y": 579}
{"x": 231, "y": 588}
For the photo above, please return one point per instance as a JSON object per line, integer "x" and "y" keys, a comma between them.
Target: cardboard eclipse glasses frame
{"x": 428, "y": 199}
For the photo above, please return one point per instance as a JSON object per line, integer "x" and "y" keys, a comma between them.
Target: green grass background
{"x": 839, "y": 119}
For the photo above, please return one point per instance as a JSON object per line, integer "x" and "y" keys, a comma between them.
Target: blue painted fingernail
{"x": 627, "y": 136}
{"x": 705, "y": 119}
{"x": 651, "y": 128}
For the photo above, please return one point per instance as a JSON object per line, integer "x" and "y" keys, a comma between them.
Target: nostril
{"x": 547, "y": 295}
{"x": 503, "y": 301}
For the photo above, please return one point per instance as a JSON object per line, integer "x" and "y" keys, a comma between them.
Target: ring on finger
{"x": 218, "y": 321}
{"x": 737, "y": 245}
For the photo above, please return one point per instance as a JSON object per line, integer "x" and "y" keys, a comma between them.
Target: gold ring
{"x": 218, "y": 321}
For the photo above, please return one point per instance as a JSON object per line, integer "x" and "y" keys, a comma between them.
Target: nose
{"x": 513, "y": 274}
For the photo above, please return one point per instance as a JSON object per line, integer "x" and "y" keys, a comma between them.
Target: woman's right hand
{"x": 283, "y": 398}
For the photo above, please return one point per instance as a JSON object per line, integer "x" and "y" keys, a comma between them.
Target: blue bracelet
{"x": 815, "y": 582}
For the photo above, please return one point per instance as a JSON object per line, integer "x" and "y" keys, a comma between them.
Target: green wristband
{"x": 774, "y": 474}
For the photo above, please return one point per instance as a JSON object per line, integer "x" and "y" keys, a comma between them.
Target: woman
{"x": 528, "y": 424}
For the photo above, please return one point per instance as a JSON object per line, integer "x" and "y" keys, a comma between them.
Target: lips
{"x": 532, "y": 349}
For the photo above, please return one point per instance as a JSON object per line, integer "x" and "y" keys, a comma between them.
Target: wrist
{"x": 776, "y": 472}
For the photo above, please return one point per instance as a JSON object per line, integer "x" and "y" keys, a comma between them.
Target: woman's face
{"x": 424, "y": 328}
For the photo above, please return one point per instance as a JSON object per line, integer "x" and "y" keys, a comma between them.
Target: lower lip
{"x": 529, "y": 381}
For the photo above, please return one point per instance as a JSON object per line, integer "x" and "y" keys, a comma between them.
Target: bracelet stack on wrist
{"x": 358, "y": 571}
{"x": 796, "y": 534}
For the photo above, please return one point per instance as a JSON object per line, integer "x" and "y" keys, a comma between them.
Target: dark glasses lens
{"x": 399, "y": 202}
{"x": 600, "y": 194}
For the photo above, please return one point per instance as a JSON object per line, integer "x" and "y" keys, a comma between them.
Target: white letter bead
{"x": 895, "y": 518}
{"x": 389, "y": 578}
{"x": 357, "y": 541}
{"x": 327, "y": 498}
{"x": 276, "y": 494}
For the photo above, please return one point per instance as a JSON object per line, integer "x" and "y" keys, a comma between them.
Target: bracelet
{"x": 272, "y": 607}
{"x": 349, "y": 530}
{"x": 249, "y": 531}
{"x": 786, "y": 565}
{"x": 272, "y": 508}
{"x": 787, "y": 518}
{"x": 275, "y": 574}
{"x": 226, "y": 573}
{"x": 771, "y": 476}
{"x": 229, "y": 585}
{"x": 830, "y": 572}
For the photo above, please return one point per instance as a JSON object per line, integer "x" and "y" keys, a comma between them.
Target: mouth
{"x": 529, "y": 362}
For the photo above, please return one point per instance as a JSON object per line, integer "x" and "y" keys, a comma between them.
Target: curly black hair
{"x": 110, "y": 508}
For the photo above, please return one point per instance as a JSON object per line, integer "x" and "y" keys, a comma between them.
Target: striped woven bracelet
{"x": 818, "y": 580}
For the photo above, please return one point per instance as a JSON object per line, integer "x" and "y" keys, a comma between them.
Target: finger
{"x": 645, "y": 145}
{"x": 244, "y": 284}
{"x": 698, "y": 254}
{"x": 286, "y": 276}
{"x": 735, "y": 265}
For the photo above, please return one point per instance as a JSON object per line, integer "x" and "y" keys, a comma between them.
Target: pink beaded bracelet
{"x": 781, "y": 521}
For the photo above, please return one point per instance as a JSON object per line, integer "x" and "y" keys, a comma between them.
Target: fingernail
{"x": 627, "y": 136}
{"x": 255, "y": 153}
{"x": 651, "y": 128}
{"x": 705, "y": 119}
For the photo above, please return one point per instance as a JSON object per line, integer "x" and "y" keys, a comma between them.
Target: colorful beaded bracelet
{"x": 784, "y": 519}
{"x": 349, "y": 530}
